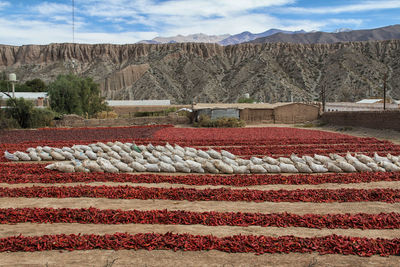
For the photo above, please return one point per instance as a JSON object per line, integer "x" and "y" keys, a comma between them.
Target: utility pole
{"x": 384, "y": 91}
{"x": 323, "y": 99}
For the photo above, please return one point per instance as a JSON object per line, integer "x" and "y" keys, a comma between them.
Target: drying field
{"x": 144, "y": 219}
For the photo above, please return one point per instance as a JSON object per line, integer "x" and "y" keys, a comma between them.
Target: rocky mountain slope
{"x": 248, "y": 36}
{"x": 209, "y": 73}
{"x": 343, "y": 35}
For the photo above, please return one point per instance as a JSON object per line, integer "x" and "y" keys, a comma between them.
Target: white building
{"x": 363, "y": 105}
{"x": 40, "y": 99}
{"x": 120, "y": 103}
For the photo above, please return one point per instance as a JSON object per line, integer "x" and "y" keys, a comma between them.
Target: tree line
{"x": 68, "y": 94}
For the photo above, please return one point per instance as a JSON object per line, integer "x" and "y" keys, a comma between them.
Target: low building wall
{"x": 369, "y": 119}
{"x": 130, "y": 110}
{"x": 257, "y": 115}
{"x": 296, "y": 113}
{"x": 344, "y": 106}
{"x": 123, "y": 122}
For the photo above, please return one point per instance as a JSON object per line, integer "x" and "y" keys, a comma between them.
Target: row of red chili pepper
{"x": 204, "y": 142}
{"x": 19, "y": 136}
{"x": 111, "y": 216}
{"x": 257, "y": 133}
{"x": 96, "y": 128}
{"x": 168, "y": 133}
{"x": 266, "y": 142}
{"x": 332, "y": 244}
{"x": 220, "y": 194}
{"x": 157, "y": 134}
{"x": 323, "y": 143}
{"x": 35, "y": 173}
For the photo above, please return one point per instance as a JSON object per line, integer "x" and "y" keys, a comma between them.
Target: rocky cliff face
{"x": 208, "y": 72}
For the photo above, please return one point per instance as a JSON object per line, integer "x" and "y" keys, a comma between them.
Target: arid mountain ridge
{"x": 201, "y": 72}
{"x": 391, "y": 32}
{"x": 225, "y": 39}
{"x": 342, "y": 35}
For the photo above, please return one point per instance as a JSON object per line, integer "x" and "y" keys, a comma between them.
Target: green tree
{"x": 36, "y": 85}
{"x": 71, "y": 94}
{"x": 4, "y": 86}
{"x": 21, "y": 110}
{"x": 246, "y": 100}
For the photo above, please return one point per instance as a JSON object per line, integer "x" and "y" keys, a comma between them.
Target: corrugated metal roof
{"x": 114, "y": 103}
{"x": 242, "y": 105}
{"x": 26, "y": 95}
{"x": 369, "y": 101}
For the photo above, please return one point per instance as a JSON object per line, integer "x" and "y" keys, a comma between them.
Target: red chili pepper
{"x": 36, "y": 173}
{"x": 110, "y": 216}
{"x": 220, "y": 194}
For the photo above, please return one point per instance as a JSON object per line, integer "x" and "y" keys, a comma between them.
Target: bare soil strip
{"x": 33, "y": 229}
{"x": 372, "y": 185}
{"x": 165, "y": 258}
{"x": 200, "y": 206}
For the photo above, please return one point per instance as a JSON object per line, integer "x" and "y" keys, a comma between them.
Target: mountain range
{"x": 225, "y": 39}
{"x": 277, "y": 35}
{"x": 201, "y": 72}
{"x": 342, "y": 35}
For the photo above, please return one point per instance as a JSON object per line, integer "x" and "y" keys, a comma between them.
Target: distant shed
{"x": 215, "y": 113}
{"x": 260, "y": 113}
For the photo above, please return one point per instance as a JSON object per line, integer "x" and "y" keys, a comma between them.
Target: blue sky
{"x": 126, "y": 21}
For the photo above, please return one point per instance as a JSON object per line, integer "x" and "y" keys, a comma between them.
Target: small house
{"x": 260, "y": 112}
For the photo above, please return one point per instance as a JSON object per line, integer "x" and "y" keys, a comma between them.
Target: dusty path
{"x": 163, "y": 258}
{"x": 200, "y": 206}
{"x": 33, "y": 229}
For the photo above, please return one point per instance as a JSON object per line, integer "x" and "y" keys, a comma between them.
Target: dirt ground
{"x": 382, "y": 134}
{"x": 144, "y": 258}
{"x": 370, "y": 207}
{"x": 204, "y": 258}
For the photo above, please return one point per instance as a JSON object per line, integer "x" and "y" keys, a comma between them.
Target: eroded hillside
{"x": 208, "y": 72}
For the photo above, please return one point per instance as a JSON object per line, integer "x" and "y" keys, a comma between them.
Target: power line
{"x": 73, "y": 21}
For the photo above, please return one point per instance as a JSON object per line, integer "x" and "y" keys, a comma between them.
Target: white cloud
{"x": 47, "y": 8}
{"x": 185, "y": 25}
{"x": 114, "y": 38}
{"x": 4, "y": 4}
{"x": 38, "y": 32}
{"x": 205, "y": 8}
{"x": 361, "y": 7}
{"x": 212, "y": 7}
{"x": 133, "y": 21}
{"x": 187, "y": 16}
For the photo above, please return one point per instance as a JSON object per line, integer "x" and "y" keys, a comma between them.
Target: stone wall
{"x": 368, "y": 119}
{"x": 123, "y": 121}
